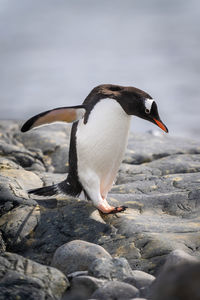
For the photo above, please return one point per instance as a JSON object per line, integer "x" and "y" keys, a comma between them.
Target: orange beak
{"x": 161, "y": 125}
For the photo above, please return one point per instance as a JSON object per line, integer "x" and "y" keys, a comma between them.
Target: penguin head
{"x": 133, "y": 101}
{"x": 146, "y": 108}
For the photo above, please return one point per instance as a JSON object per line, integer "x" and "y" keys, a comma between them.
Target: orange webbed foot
{"x": 118, "y": 209}
{"x": 107, "y": 209}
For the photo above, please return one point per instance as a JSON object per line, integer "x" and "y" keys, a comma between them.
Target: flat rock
{"x": 21, "y": 277}
{"x": 154, "y": 234}
{"x": 77, "y": 255}
{"x": 147, "y": 147}
{"x": 162, "y": 215}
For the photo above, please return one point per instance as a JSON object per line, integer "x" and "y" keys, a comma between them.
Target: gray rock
{"x": 6, "y": 164}
{"x": 60, "y": 159}
{"x": 45, "y": 138}
{"x": 20, "y": 155}
{"x": 77, "y": 255}
{"x": 119, "y": 245}
{"x": 61, "y": 221}
{"x": 149, "y": 147}
{"x": 177, "y": 282}
{"x": 163, "y": 215}
{"x": 110, "y": 268}
{"x": 18, "y": 224}
{"x": 54, "y": 143}
{"x": 29, "y": 280}
{"x": 115, "y": 290}
{"x": 11, "y": 195}
{"x": 82, "y": 287}
{"x": 14, "y": 183}
{"x": 172, "y": 164}
{"x": 178, "y": 257}
{"x": 51, "y": 178}
{"x": 153, "y": 233}
{"x": 140, "y": 279}
{"x": 25, "y": 179}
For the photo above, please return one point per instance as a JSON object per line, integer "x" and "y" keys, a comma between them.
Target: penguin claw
{"x": 118, "y": 209}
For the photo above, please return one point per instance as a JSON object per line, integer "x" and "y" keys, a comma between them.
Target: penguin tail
{"x": 45, "y": 191}
{"x": 63, "y": 187}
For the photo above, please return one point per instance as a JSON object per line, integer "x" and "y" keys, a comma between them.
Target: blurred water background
{"x": 53, "y": 52}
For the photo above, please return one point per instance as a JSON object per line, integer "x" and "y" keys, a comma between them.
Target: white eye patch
{"x": 148, "y": 104}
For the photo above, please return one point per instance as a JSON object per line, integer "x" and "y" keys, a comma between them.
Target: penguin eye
{"x": 147, "y": 111}
{"x": 148, "y": 105}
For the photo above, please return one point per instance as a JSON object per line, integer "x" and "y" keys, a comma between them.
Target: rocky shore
{"x": 63, "y": 248}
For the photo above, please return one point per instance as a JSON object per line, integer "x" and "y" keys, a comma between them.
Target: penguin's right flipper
{"x": 61, "y": 114}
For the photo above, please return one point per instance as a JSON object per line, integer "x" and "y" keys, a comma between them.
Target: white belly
{"x": 101, "y": 144}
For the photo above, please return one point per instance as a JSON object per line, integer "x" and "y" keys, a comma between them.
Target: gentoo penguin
{"x": 99, "y": 137}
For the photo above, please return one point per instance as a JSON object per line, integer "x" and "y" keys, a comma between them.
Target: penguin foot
{"x": 118, "y": 209}
{"x": 107, "y": 209}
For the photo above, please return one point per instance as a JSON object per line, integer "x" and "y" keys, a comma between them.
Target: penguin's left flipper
{"x": 61, "y": 114}
{"x": 117, "y": 209}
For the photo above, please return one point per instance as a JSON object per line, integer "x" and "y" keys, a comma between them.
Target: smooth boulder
{"x": 77, "y": 255}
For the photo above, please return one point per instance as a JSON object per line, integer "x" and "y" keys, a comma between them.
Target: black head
{"x": 149, "y": 112}
{"x": 134, "y": 101}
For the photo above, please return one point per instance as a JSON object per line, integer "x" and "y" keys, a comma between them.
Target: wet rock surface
{"x": 159, "y": 181}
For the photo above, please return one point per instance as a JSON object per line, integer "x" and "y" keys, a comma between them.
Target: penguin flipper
{"x": 61, "y": 114}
